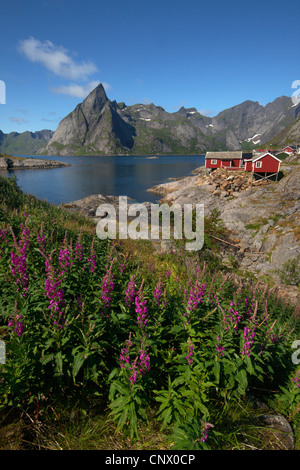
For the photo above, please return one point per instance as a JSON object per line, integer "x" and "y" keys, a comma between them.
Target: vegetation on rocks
{"x": 131, "y": 347}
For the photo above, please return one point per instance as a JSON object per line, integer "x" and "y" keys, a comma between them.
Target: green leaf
{"x": 250, "y": 368}
{"x": 46, "y": 359}
{"x": 59, "y": 362}
{"x": 216, "y": 371}
{"x": 77, "y": 364}
{"x": 242, "y": 379}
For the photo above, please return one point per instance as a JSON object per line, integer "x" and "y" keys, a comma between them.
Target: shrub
{"x": 290, "y": 273}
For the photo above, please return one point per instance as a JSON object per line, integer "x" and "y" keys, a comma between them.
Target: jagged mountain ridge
{"x": 99, "y": 126}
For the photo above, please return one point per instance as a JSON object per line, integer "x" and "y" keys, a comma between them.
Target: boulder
{"x": 277, "y": 431}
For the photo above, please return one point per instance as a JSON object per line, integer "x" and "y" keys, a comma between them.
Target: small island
{"x": 8, "y": 162}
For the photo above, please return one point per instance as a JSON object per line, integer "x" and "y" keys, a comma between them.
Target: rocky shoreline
{"x": 263, "y": 217}
{"x": 17, "y": 163}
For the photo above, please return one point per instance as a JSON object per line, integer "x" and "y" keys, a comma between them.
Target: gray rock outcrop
{"x": 264, "y": 216}
{"x": 7, "y": 163}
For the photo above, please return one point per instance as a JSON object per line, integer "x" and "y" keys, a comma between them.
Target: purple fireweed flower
{"x": 18, "y": 259}
{"x": 141, "y": 364}
{"x": 130, "y": 292}
{"x": 234, "y": 317}
{"x": 296, "y": 379}
{"x": 78, "y": 250}
{"x": 204, "y": 431}
{"x": 191, "y": 348}
{"x": 141, "y": 309}
{"x": 196, "y": 296}
{"x": 124, "y": 356}
{"x": 122, "y": 267}
{"x": 158, "y": 292}
{"x": 16, "y": 322}
{"x": 3, "y": 235}
{"x": 64, "y": 259}
{"x": 134, "y": 371}
{"x": 54, "y": 293}
{"x": 92, "y": 258}
{"x": 248, "y": 340}
{"x": 107, "y": 287}
{"x": 144, "y": 360}
{"x": 219, "y": 348}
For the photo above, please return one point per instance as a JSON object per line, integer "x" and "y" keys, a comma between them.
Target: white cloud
{"x": 56, "y": 59}
{"x": 79, "y": 91}
{"x": 17, "y": 120}
{"x": 206, "y": 112}
{"x": 22, "y": 111}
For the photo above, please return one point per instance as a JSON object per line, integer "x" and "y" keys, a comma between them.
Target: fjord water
{"x": 118, "y": 176}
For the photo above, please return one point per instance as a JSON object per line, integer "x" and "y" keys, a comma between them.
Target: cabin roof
{"x": 267, "y": 153}
{"x": 234, "y": 155}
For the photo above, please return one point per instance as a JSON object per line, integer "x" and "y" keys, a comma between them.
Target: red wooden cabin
{"x": 266, "y": 164}
{"x": 289, "y": 150}
{"x": 228, "y": 160}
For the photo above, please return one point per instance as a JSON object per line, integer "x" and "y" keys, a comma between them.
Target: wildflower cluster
{"x": 79, "y": 249}
{"x": 204, "y": 431}
{"x": 158, "y": 292}
{"x": 107, "y": 287}
{"x": 64, "y": 259}
{"x": 191, "y": 348}
{"x": 18, "y": 260}
{"x": 141, "y": 309}
{"x": 196, "y": 296}
{"x": 296, "y": 379}
{"x": 124, "y": 356}
{"x": 219, "y": 348}
{"x": 54, "y": 294}
{"x": 130, "y": 292}
{"x": 92, "y": 258}
{"x": 141, "y": 363}
{"x": 249, "y": 335}
{"x": 16, "y": 322}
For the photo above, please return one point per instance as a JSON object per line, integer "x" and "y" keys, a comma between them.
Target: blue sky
{"x": 210, "y": 55}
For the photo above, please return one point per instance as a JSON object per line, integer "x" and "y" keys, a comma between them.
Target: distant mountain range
{"x": 99, "y": 126}
{"x": 26, "y": 143}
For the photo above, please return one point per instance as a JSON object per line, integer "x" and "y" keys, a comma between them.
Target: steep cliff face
{"x": 93, "y": 127}
{"x": 104, "y": 127}
{"x": 289, "y": 135}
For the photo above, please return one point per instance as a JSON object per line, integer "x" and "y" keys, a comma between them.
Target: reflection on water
{"x": 124, "y": 176}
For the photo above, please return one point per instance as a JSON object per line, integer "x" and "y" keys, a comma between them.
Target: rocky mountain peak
{"x": 94, "y": 102}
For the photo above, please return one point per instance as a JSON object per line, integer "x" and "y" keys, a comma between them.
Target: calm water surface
{"x": 117, "y": 176}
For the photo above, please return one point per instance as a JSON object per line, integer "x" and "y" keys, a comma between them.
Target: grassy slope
{"x": 58, "y": 427}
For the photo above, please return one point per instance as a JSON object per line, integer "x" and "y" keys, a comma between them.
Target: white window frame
{"x": 258, "y": 165}
{"x": 214, "y": 161}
